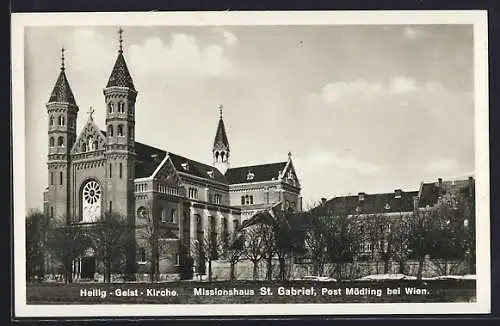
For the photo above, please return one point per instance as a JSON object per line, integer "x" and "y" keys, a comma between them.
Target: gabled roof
{"x": 372, "y": 203}
{"x": 220, "y": 141}
{"x": 263, "y": 172}
{"x": 148, "y": 158}
{"x": 120, "y": 75}
{"x": 62, "y": 91}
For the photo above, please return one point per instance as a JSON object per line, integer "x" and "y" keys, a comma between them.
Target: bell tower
{"x": 62, "y": 113}
{"x": 119, "y": 97}
{"x": 221, "y": 151}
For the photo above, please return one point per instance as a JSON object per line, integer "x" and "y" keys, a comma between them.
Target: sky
{"x": 367, "y": 108}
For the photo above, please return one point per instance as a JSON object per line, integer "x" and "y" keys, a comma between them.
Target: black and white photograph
{"x": 250, "y": 163}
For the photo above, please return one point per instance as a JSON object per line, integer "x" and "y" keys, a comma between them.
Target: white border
{"x": 477, "y": 18}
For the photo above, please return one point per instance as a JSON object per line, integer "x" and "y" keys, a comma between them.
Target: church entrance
{"x": 88, "y": 264}
{"x": 88, "y": 267}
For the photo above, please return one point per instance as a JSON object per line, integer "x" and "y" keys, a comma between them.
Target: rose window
{"x": 92, "y": 192}
{"x": 91, "y": 201}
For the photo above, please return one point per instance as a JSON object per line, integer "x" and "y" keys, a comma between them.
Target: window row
{"x": 217, "y": 199}
{"x": 61, "y": 121}
{"x": 246, "y": 200}
{"x": 193, "y": 193}
{"x": 120, "y": 131}
{"x": 120, "y": 107}
{"x": 61, "y": 178}
{"x": 60, "y": 141}
{"x": 90, "y": 145}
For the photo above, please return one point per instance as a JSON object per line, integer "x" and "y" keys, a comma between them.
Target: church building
{"x": 93, "y": 171}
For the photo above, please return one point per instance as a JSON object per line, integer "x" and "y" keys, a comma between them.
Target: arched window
{"x": 51, "y": 178}
{"x": 110, "y": 170}
{"x": 222, "y": 156}
{"x": 84, "y": 147}
{"x": 163, "y": 215}
{"x": 51, "y": 121}
{"x": 120, "y": 130}
{"x": 130, "y": 132}
{"x": 142, "y": 212}
{"x": 121, "y": 170}
{"x": 110, "y": 107}
{"x": 91, "y": 201}
{"x": 60, "y": 178}
{"x": 110, "y": 206}
{"x": 95, "y": 145}
{"x": 51, "y": 142}
{"x": 217, "y": 156}
{"x": 251, "y": 200}
{"x": 242, "y": 200}
{"x": 121, "y": 107}
{"x": 51, "y": 211}
{"x": 110, "y": 130}
{"x": 60, "y": 141}
{"x": 173, "y": 218}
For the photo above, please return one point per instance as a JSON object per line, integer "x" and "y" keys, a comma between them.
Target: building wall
{"x": 81, "y": 172}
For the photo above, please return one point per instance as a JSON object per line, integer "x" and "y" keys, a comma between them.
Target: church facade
{"x": 93, "y": 171}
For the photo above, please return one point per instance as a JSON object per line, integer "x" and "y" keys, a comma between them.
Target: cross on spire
{"x": 120, "y": 39}
{"x": 220, "y": 110}
{"x": 90, "y": 112}
{"x": 62, "y": 58}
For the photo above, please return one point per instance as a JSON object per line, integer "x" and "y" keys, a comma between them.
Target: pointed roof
{"x": 220, "y": 141}
{"x": 120, "y": 76}
{"x": 62, "y": 91}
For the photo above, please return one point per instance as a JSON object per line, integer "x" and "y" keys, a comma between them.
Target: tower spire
{"x": 120, "y": 39}
{"x": 62, "y": 58}
{"x": 220, "y": 110}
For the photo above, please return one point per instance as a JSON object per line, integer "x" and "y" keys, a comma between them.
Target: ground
{"x": 263, "y": 292}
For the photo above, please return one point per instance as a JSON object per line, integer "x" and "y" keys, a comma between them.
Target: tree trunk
{"x": 232, "y": 272}
{"x": 269, "y": 270}
{"x": 386, "y": 266}
{"x": 107, "y": 270}
{"x": 282, "y": 267}
{"x": 420, "y": 267}
{"x": 255, "y": 269}
{"x": 210, "y": 269}
{"x": 338, "y": 270}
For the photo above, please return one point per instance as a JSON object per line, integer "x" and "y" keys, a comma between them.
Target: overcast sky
{"x": 362, "y": 108}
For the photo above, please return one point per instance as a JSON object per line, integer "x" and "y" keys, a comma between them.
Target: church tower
{"x": 62, "y": 112}
{"x": 120, "y": 95}
{"x": 221, "y": 150}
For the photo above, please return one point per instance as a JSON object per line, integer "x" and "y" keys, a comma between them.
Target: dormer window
{"x": 387, "y": 206}
{"x": 361, "y": 196}
{"x": 397, "y": 193}
{"x": 185, "y": 166}
{"x": 250, "y": 176}
{"x": 210, "y": 174}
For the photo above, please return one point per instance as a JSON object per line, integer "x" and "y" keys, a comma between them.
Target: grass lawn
{"x": 190, "y": 292}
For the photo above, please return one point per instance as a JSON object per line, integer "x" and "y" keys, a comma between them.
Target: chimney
{"x": 440, "y": 187}
{"x": 361, "y": 196}
{"x": 471, "y": 187}
{"x": 323, "y": 201}
{"x": 398, "y": 193}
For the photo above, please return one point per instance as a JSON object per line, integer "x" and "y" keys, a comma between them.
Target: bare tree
{"x": 234, "y": 253}
{"x": 207, "y": 248}
{"x": 343, "y": 241}
{"x": 255, "y": 245}
{"x": 316, "y": 242}
{"x": 110, "y": 238}
{"x": 36, "y": 224}
{"x": 147, "y": 231}
{"x": 66, "y": 243}
{"x": 421, "y": 236}
{"x": 268, "y": 249}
